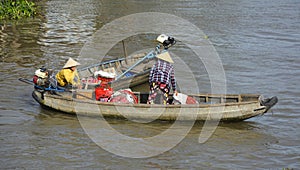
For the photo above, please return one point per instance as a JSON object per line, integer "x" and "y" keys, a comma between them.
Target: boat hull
{"x": 236, "y": 111}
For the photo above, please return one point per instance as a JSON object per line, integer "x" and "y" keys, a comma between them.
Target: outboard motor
{"x": 44, "y": 78}
{"x": 40, "y": 77}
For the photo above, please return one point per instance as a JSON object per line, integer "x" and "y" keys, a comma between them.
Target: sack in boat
{"x": 191, "y": 100}
{"x": 104, "y": 76}
{"x": 124, "y": 96}
{"x": 184, "y": 99}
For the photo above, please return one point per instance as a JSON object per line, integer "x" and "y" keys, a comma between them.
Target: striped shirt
{"x": 163, "y": 72}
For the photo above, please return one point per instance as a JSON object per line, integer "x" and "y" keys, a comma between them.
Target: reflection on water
{"x": 258, "y": 43}
{"x": 14, "y": 39}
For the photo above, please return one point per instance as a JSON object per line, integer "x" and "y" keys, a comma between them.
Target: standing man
{"x": 162, "y": 76}
{"x": 68, "y": 76}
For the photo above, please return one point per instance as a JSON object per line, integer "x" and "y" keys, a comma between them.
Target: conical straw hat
{"x": 71, "y": 63}
{"x": 165, "y": 56}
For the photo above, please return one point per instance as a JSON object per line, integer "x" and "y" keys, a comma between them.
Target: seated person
{"x": 68, "y": 76}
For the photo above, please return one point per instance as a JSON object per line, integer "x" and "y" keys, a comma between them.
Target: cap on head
{"x": 71, "y": 63}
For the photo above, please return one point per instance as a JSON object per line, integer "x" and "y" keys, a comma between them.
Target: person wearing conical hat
{"x": 68, "y": 76}
{"x": 162, "y": 77}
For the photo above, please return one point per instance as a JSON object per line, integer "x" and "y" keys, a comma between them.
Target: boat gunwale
{"x": 143, "y": 105}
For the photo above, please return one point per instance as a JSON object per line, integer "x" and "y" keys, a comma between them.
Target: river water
{"x": 257, "y": 41}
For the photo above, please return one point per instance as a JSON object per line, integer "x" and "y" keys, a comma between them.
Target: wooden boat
{"x": 133, "y": 71}
{"x": 229, "y": 107}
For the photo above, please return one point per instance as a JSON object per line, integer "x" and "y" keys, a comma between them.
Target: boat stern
{"x": 38, "y": 96}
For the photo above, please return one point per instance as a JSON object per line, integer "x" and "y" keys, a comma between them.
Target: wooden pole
{"x": 124, "y": 50}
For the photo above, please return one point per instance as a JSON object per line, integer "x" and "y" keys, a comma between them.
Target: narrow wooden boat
{"x": 229, "y": 107}
{"x": 133, "y": 71}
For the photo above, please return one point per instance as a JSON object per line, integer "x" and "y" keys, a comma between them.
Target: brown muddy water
{"x": 257, "y": 41}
